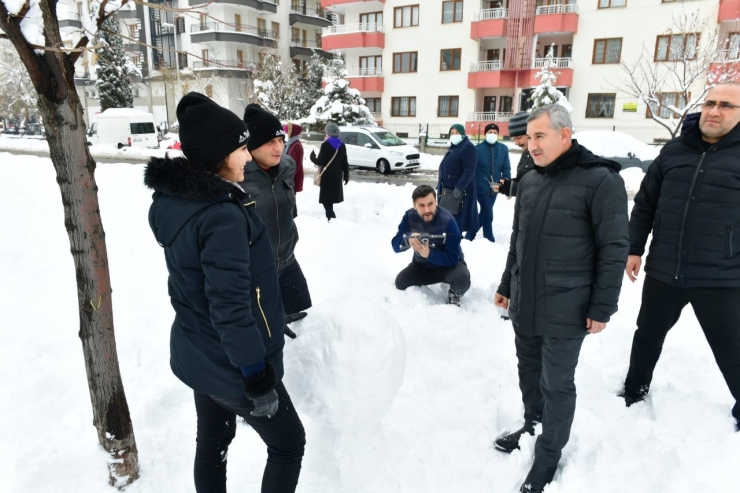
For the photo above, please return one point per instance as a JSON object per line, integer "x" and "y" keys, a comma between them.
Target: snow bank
{"x": 615, "y": 144}
{"x": 632, "y": 180}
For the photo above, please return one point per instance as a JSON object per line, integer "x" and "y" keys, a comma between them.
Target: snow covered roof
{"x": 615, "y": 144}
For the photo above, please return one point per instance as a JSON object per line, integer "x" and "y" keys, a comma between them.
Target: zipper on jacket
{"x": 686, "y": 213}
{"x": 259, "y": 303}
{"x": 277, "y": 213}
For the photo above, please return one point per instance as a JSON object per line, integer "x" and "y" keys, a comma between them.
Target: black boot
{"x": 509, "y": 443}
{"x": 537, "y": 479}
{"x": 634, "y": 397}
{"x": 453, "y": 297}
{"x": 294, "y": 317}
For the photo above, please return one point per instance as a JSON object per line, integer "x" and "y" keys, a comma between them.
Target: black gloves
{"x": 260, "y": 389}
{"x": 346, "y": 179}
{"x": 313, "y": 156}
{"x": 290, "y": 333}
{"x": 505, "y": 187}
{"x": 457, "y": 193}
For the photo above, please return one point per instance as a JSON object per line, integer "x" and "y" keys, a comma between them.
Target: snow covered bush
{"x": 546, "y": 93}
{"x": 114, "y": 69}
{"x": 279, "y": 91}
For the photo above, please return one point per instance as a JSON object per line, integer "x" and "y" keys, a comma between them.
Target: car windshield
{"x": 387, "y": 138}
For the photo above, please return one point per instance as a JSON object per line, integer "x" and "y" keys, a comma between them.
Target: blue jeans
{"x": 486, "y": 217}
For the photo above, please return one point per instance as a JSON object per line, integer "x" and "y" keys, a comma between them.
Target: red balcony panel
{"x": 353, "y": 40}
{"x": 527, "y": 77}
{"x": 491, "y": 28}
{"x": 556, "y": 23}
{"x": 715, "y": 69}
{"x": 332, "y": 3}
{"x": 475, "y": 128}
{"x": 494, "y": 78}
{"x": 365, "y": 84}
{"x": 729, "y": 10}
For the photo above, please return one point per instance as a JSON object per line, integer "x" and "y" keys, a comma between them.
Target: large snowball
{"x": 347, "y": 364}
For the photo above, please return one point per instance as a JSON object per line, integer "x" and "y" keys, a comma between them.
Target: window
{"x": 261, "y": 57}
{"x": 567, "y": 51}
{"x": 239, "y": 58}
{"x": 675, "y": 47}
{"x": 452, "y": 11}
{"x": 295, "y": 34}
{"x": 262, "y": 27}
{"x": 349, "y": 138}
{"x": 607, "y": 50}
{"x": 237, "y": 23}
{"x": 607, "y": 4}
{"x": 733, "y": 46}
{"x": 371, "y": 19}
{"x": 203, "y": 22}
{"x": 505, "y": 104}
{"x": 450, "y": 59}
{"x": 132, "y": 28}
{"x": 675, "y": 99}
{"x": 405, "y": 106}
{"x": 489, "y": 104}
{"x": 493, "y": 55}
{"x": 205, "y": 57}
{"x": 182, "y": 60}
{"x": 371, "y": 65}
{"x": 363, "y": 139}
{"x": 447, "y": 106}
{"x": 276, "y": 30}
{"x": 373, "y": 104}
{"x": 405, "y": 62}
{"x": 600, "y": 105}
{"x": 179, "y": 23}
{"x": 141, "y": 128}
{"x": 406, "y": 16}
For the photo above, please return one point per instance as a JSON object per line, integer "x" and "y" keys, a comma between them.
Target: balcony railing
{"x": 366, "y": 72}
{"x": 296, "y": 8}
{"x": 489, "y": 14}
{"x": 225, "y": 65}
{"x": 363, "y": 27}
{"x": 494, "y": 116}
{"x": 70, "y": 16}
{"x": 559, "y": 62}
{"x": 305, "y": 43}
{"x": 376, "y": 115}
{"x": 486, "y": 66}
{"x": 731, "y": 55}
{"x": 558, "y": 8}
{"x": 233, "y": 28}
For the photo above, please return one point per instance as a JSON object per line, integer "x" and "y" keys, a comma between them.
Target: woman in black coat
{"x": 226, "y": 342}
{"x": 332, "y": 161}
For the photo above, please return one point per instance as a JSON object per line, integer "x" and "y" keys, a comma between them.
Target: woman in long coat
{"x": 457, "y": 173}
{"x": 333, "y": 153}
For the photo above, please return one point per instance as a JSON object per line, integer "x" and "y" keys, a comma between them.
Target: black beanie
{"x": 518, "y": 124}
{"x": 263, "y": 126}
{"x": 491, "y": 126}
{"x": 208, "y": 132}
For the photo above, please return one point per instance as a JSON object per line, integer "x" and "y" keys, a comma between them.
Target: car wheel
{"x": 383, "y": 167}
{"x": 120, "y": 146}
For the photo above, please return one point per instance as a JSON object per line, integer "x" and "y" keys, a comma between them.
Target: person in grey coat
{"x": 268, "y": 179}
{"x": 563, "y": 275}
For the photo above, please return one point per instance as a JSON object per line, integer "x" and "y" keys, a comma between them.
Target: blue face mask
{"x": 491, "y": 138}
{"x": 456, "y": 139}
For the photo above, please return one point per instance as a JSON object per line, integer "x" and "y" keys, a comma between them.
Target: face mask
{"x": 491, "y": 138}
{"x": 456, "y": 139}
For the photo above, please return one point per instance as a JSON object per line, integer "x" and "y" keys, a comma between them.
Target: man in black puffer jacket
{"x": 690, "y": 200}
{"x": 563, "y": 276}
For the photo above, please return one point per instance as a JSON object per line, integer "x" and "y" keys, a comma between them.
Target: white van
{"x": 123, "y": 127}
{"x": 376, "y": 147}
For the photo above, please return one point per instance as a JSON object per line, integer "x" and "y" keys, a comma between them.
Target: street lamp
{"x": 177, "y": 55}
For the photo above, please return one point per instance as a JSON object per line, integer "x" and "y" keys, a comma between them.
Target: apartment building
{"x": 440, "y": 62}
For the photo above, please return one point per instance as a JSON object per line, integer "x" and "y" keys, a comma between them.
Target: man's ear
{"x": 566, "y": 134}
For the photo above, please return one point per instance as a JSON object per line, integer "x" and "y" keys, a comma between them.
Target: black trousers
{"x": 547, "y": 367}
{"x": 457, "y": 277}
{"x": 283, "y": 434}
{"x": 294, "y": 289}
{"x": 718, "y": 312}
{"x": 329, "y": 209}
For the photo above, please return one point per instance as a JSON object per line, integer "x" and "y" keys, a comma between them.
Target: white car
{"x": 376, "y": 147}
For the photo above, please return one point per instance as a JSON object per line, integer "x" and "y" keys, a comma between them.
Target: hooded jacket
{"x": 275, "y": 204}
{"x": 222, "y": 279}
{"x": 690, "y": 200}
{"x": 569, "y": 245}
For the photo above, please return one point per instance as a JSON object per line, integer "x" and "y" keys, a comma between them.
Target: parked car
{"x": 619, "y": 147}
{"x": 376, "y": 147}
{"x": 34, "y": 129}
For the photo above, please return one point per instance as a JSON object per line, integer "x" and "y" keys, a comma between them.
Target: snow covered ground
{"x": 459, "y": 387}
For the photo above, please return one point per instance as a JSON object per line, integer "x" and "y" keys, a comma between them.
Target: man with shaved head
{"x": 690, "y": 201}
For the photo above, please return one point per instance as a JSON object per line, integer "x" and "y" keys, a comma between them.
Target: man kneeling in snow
{"x": 433, "y": 234}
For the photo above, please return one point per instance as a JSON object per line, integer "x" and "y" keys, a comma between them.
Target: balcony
{"x": 69, "y": 21}
{"x": 299, "y": 14}
{"x": 303, "y": 47}
{"x": 729, "y": 10}
{"x": 232, "y": 33}
{"x": 476, "y": 122}
{"x": 345, "y": 36}
{"x": 558, "y": 18}
{"x": 486, "y": 75}
{"x": 725, "y": 66}
{"x": 239, "y": 65}
{"x": 127, "y": 12}
{"x": 336, "y": 3}
{"x": 490, "y": 23}
{"x": 367, "y": 80}
{"x": 263, "y": 6}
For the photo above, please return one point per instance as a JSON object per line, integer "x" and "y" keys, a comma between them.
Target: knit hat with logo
{"x": 208, "y": 132}
{"x": 263, "y": 126}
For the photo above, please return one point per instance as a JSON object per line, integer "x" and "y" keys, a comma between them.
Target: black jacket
{"x": 569, "y": 245}
{"x": 690, "y": 200}
{"x": 275, "y": 203}
{"x": 222, "y": 279}
{"x": 526, "y": 164}
{"x": 332, "y": 189}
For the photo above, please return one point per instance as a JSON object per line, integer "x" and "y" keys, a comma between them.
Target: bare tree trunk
{"x": 52, "y": 74}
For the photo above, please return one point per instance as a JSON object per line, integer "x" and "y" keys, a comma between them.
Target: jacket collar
{"x": 693, "y": 137}
{"x": 183, "y": 178}
{"x": 577, "y": 156}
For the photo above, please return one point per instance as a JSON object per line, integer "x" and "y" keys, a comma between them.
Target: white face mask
{"x": 456, "y": 139}
{"x": 491, "y": 138}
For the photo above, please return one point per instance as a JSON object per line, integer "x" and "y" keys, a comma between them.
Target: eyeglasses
{"x": 722, "y": 105}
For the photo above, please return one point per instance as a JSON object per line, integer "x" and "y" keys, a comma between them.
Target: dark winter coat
{"x": 526, "y": 164}
{"x": 457, "y": 170}
{"x": 690, "y": 200}
{"x": 295, "y": 150}
{"x": 493, "y": 164}
{"x": 332, "y": 189}
{"x": 222, "y": 282}
{"x": 569, "y": 245}
{"x": 445, "y": 253}
{"x": 275, "y": 203}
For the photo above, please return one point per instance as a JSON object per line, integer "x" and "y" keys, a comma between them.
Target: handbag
{"x": 448, "y": 201}
{"x": 317, "y": 178}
